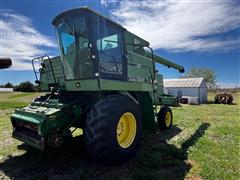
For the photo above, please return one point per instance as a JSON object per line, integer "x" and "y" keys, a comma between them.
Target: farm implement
{"x": 104, "y": 82}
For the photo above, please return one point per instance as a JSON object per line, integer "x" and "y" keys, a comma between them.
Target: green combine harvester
{"x": 105, "y": 82}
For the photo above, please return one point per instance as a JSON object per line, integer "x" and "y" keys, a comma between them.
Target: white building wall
{"x": 185, "y": 91}
{"x": 201, "y": 93}
{"x": 6, "y": 89}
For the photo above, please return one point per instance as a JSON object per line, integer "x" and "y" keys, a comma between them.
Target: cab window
{"x": 110, "y": 49}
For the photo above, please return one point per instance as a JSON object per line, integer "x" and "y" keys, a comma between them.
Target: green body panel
{"x": 167, "y": 100}
{"x": 159, "y": 85}
{"x": 82, "y": 85}
{"x": 108, "y": 85}
{"x": 33, "y": 117}
{"x": 41, "y": 116}
{"x": 140, "y": 68}
{"x": 125, "y": 86}
{"x": 46, "y": 76}
{"x": 148, "y": 119}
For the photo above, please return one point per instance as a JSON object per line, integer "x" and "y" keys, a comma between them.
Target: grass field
{"x": 204, "y": 143}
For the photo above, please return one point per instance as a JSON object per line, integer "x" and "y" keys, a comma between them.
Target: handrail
{"x": 41, "y": 58}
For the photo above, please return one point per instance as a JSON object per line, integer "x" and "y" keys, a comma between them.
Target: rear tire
{"x": 113, "y": 129}
{"x": 165, "y": 118}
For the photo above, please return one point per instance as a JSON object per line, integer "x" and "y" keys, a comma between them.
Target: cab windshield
{"x": 72, "y": 34}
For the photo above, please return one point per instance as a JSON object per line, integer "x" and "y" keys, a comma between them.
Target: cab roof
{"x": 71, "y": 12}
{"x": 58, "y": 18}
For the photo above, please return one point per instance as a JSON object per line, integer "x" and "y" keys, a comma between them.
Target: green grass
{"x": 19, "y": 95}
{"x": 10, "y": 100}
{"x": 204, "y": 143}
{"x": 7, "y": 105}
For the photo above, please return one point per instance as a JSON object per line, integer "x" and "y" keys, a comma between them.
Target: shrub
{"x": 25, "y": 87}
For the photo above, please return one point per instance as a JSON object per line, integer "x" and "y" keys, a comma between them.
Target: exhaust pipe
{"x": 5, "y": 63}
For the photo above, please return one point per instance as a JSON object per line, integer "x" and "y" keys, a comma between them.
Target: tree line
{"x": 26, "y": 86}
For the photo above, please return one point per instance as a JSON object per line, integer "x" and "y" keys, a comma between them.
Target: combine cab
{"x": 104, "y": 82}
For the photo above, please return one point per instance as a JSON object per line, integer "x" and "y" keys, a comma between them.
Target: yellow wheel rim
{"x": 126, "y": 130}
{"x": 168, "y": 119}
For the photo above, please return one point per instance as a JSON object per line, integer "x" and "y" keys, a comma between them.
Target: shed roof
{"x": 185, "y": 82}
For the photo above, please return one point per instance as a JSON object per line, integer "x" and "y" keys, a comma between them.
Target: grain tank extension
{"x": 104, "y": 82}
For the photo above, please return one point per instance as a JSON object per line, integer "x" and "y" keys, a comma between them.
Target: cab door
{"x": 110, "y": 50}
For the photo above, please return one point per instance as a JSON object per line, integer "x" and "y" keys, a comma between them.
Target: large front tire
{"x": 113, "y": 129}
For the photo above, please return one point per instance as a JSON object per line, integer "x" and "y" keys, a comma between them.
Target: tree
{"x": 208, "y": 74}
{"x": 8, "y": 85}
{"x": 25, "y": 87}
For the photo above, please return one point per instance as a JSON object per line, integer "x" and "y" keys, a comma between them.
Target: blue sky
{"x": 193, "y": 34}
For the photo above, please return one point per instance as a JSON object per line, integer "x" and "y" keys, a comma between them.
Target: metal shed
{"x": 193, "y": 87}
